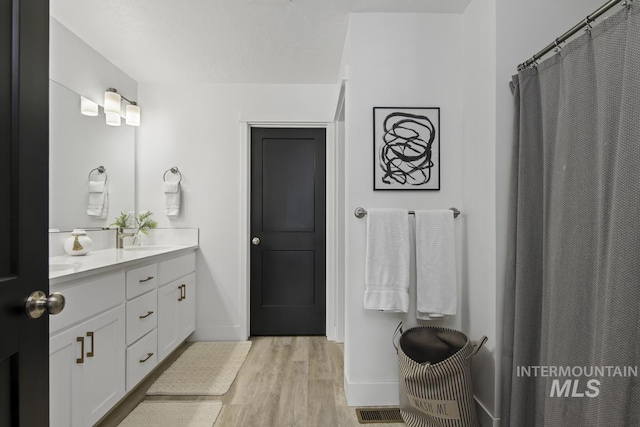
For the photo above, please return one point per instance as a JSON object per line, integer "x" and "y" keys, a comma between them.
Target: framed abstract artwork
{"x": 406, "y": 148}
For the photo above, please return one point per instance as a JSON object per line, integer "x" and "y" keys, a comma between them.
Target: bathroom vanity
{"x": 126, "y": 310}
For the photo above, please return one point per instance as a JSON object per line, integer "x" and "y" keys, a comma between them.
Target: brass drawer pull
{"x": 146, "y": 358}
{"x": 149, "y": 313}
{"x": 181, "y": 295}
{"x": 146, "y": 280}
{"x": 81, "y": 341}
{"x": 90, "y": 335}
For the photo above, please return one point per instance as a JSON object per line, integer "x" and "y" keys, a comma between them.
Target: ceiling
{"x": 226, "y": 41}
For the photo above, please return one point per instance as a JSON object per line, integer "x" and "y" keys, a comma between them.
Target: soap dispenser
{"x": 78, "y": 243}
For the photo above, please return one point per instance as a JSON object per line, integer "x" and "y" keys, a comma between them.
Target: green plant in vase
{"x": 122, "y": 221}
{"x": 141, "y": 223}
{"x": 144, "y": 222}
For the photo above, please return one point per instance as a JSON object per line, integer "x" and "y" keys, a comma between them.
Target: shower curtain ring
{"x": 587, "y": 24}
{"x": 558, "y": 47}
{"x": 534, "y": 61}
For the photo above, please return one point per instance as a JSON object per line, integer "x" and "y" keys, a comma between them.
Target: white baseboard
{"x": 386, "y": 394}
{"x": 218, "y": 333}
{"x": 371, "y": 393}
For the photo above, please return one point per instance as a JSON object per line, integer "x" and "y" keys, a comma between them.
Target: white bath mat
{"x": 204, "y": 369}
{"x": 173, "y": 414}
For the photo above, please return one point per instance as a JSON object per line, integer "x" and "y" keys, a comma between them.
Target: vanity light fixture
{"x": 113, "y": 107}
{"x": 88, "y": 107}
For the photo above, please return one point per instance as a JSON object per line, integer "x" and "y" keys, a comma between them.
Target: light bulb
{"x": 133, "y": 115}
{"x": 113, "y": 119}
{"x": 88, "y": 107}
{"x": 112, "y": 100}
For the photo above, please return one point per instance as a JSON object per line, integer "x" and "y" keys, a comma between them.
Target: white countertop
{"x": 67, "y": 267}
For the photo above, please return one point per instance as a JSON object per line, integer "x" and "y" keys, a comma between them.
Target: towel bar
{"x": 361, "y": 212}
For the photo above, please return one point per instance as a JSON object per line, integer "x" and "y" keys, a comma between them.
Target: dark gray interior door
{"x": 288, "y": 248}
{"x": 24, "y": 170}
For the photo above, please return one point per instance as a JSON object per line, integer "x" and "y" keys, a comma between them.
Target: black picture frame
{"x": 406, "y": 148}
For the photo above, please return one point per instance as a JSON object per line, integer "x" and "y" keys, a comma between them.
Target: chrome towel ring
{"x": 99, "y": 169}
{"x": 174, "y": 170}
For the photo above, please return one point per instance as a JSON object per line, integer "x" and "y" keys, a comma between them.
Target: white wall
{"x": 196, "y": 127}
{"x": 478, "y": 189}
{"x": 341, "y": 219}
{"x": 394, "y": 60}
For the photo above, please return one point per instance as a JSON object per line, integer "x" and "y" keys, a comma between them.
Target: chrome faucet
{"x": 120, "y": 236}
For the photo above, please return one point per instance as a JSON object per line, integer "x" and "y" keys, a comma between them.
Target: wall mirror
{"x": 78, "y": 144}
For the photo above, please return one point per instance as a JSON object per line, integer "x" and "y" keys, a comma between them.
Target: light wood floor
{"x": 285, "y": 382}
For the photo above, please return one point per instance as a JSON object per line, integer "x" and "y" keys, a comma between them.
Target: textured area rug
{"x": 204, "y": 369}
{"x": 174, "y": 414}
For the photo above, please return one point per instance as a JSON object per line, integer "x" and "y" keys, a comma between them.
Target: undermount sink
{"x": 56, "y": 268}
{"x": 146, "y": 248}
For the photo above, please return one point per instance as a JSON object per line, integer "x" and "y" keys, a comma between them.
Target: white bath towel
{"x": 172, "y": 198}
{"x": 98, "y": 205}
{"x": 387, "y": 260}
{"x": 436, "y": 286}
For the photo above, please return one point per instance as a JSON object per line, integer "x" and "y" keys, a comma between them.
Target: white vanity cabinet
{"x": 115, "y": 329}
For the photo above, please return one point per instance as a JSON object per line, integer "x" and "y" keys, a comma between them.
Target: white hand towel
{"x": 387, "y": 260}
{"x": 98, "y": 199}
{"x": 105, "y": 206}
{"x": 436, "y": 287}
{"x": 172, "y": 198}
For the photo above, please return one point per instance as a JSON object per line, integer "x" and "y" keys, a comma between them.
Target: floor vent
{"x": 378, "y": 415}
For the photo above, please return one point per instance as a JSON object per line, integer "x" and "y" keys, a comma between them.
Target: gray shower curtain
{"x": 572, "y": 295}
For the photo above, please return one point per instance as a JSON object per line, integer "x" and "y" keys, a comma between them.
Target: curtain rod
{"x": 586, "y": 23}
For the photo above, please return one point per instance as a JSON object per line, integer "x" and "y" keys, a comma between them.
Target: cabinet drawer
{"x": 141, "y": 316}
{"x": 141, "y": 359}
{"x": 87, "y": 297}
{"x": 141, "y": 280}
{"x": 176, "y": 268}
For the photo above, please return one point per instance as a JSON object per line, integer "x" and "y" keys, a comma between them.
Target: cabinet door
{"x": 103, "y": 375}
{"x": 187, "y": 307}
{"x": 168, "y": 297}
{"x": 65, "y": 378}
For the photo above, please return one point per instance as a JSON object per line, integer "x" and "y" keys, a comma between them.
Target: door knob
{"x": 255, "y": 241}
{"x": 38, "y": 303}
